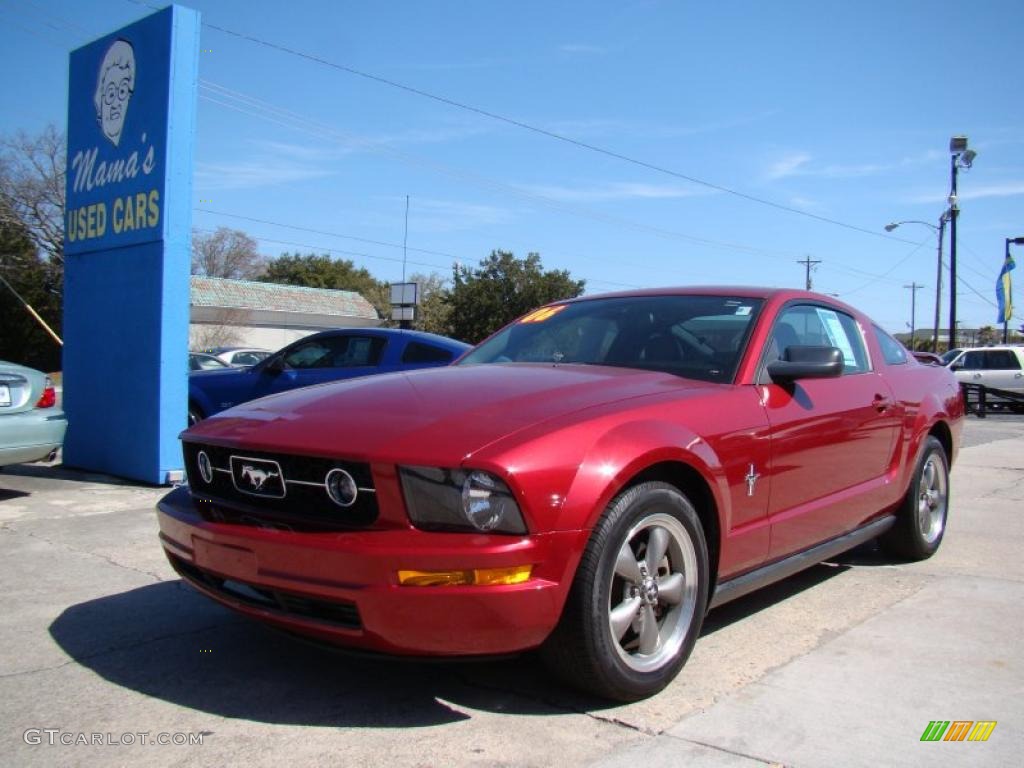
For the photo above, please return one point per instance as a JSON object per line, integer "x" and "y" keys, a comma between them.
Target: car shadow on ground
{"x": 166, "y": 641}
{"x": 57, "y": 471}
{"x": 9, "y": 493}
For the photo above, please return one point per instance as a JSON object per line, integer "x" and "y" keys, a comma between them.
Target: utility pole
{"x": 808, "y": 263}
{"x": 943, "y": 219}
{"x": 914, "y": 288}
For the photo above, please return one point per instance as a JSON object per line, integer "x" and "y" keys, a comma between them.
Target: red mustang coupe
{"x": 589, "y": 481}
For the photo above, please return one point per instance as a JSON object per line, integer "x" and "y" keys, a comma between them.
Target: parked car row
{"x": 317, "y": 359}
{"x": 238, "y": 357}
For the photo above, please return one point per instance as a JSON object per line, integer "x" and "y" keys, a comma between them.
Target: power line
{"x": 889, "y": 271}
{"x": 280, "y": 116}
{"x": 322, "y": 232}
{"x": 543, "y": 131}
{"x": 536, "y": 129}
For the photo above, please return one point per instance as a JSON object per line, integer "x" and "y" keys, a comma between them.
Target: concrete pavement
{"x": 844, "y": 664}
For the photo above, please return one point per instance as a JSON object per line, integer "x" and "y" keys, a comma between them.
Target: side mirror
{"x": 806, "y": 362}
{"x": 273, "y": 366}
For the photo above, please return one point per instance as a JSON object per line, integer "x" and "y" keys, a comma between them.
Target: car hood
{"x": 438, "y": 416}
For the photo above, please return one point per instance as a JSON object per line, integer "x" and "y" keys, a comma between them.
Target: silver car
{"x": 31, "y": 425}
{"x": 998, "y": 367}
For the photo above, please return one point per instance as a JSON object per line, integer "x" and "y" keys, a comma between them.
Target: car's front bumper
{"x": 31, "y": 435}
{"x": 342, "y": 587}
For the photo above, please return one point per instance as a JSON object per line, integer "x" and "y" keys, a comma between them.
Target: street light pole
{"x": 938, "y": 283}
{"x": 960, "y": 157}
{"x": 940, "y": 231}
{"x": 953, "y": 211}
{"x": 914, "y": 288}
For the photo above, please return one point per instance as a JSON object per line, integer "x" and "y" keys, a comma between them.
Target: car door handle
{"x": 977, "y": 375}
{"x": 1018, "y": 375}
{"x": 881, "y": 403}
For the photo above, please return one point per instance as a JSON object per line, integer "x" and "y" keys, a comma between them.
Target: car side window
{"x": 807, "y": 325}
{"x": 972, "y": 361}
{"x": 1001, "y": 360}
{"x": 893, "y": 352}
{"x": 246, "y": 358}
{"x": 336, "y": 352}
{"x": 417, "y": 352}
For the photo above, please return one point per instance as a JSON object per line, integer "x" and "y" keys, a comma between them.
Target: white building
{"x": 244, "y": 313}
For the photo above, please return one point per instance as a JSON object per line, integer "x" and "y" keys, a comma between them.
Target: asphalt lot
{"x": 844, "y": 664}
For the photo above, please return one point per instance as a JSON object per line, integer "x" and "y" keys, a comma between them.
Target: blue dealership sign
{"x": 127, "y": 243}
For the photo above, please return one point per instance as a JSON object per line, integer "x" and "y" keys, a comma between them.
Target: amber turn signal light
{"x": 484, "y": 577}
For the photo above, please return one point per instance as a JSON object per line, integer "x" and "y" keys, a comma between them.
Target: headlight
{"x": 459, "y": 500}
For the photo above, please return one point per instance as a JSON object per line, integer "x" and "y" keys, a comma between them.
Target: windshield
{"x": 699, "y": 337}
{"x": 950, "y": 356}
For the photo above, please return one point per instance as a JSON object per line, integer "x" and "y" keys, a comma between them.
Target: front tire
{"x": 921, "y": 518}
{"x": 638, "y": 600}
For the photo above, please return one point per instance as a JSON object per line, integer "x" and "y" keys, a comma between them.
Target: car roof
{"x": 429, "y": 338}
{"x": 991, "y": 347}
{"x": 775, "y": 295}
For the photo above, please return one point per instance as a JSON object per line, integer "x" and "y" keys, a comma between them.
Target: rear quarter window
{"x": 892, "y": 351}
{"x": 417, "y": 352}
{"x": 1001, "y": 360}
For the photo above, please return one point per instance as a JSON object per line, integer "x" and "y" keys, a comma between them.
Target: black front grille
{"x": 297, "y": 500}
{"x": 336, "y": 612}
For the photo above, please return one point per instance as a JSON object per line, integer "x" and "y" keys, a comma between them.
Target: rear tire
{"x": 921, "y": 518}
{"x": 638, "y": 599}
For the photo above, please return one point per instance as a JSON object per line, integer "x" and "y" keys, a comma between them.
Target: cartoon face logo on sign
{"x": 114, "y": 88}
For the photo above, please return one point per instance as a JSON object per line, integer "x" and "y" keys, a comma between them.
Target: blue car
{"x": 316, "y": 359}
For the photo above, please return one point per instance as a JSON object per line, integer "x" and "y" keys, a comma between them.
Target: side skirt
{"x": 780, "y": 569}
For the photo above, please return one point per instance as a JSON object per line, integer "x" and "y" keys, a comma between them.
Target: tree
{"x": 222, "y": 331}
{"x": 433, "y": 315}
{"x": 986, "y": 335}
{"x": 226, "y": 253}
{"x": 322, "y": 271}
{"x": 500, "y": 290}
{"x": 37, "y": 280}
{"x": 32, "y": 188}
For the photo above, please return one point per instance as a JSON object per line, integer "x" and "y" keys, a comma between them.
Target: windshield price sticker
{"x": 540, "y": 315}
{"x": 837, "y": 335}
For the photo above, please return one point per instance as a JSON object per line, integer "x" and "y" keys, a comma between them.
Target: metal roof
{"x": 245, "y": 294}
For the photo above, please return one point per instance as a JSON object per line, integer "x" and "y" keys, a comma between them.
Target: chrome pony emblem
{"x": 257, "y": 477}
{"x": 751, "y": 478}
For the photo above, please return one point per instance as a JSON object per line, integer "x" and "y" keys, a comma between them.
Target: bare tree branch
{"x": 32, "y": 172}
{"x": 226, "y": 253}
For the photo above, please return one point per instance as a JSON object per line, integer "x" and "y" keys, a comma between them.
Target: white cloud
{"x": 789, "y": 164}
{"x": 1000, "y": 189}
{"x": 427, "y": 215}
{"x": 615, "y": 190}
{"x": 252, "y": 173}
{"x": 799, "y": 163}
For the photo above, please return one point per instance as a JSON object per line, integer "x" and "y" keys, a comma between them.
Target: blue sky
{"x": 842, "y": 110}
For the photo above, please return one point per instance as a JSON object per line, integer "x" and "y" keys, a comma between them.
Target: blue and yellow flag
{"x": 1004, "y": 291}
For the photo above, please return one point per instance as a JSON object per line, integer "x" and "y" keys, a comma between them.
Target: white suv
{"x": 998, "y": 367}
